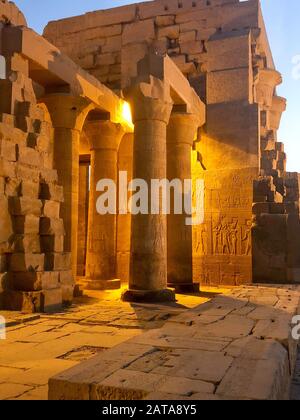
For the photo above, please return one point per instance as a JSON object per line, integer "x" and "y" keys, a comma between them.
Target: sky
{"x": 282, "y": 21}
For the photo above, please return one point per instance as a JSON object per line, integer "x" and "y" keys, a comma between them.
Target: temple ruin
{"x": 200, "y": 81}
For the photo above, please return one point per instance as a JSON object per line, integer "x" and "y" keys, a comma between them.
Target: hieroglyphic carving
{"x": 201, "y": 241}
{"x": 246, "y": 238}
{"x": 231, "y": 238}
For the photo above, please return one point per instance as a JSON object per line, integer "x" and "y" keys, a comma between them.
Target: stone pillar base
{"x": 149, "y": 296}
{"x": 102, "y": 284}
{"x": 185, "y": 287}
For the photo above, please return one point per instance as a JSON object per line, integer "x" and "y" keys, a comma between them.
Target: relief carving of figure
{"x": 246, "y": 238}
{"x": 202, "y": 247}
{"x": 225, "y": 234}
{"x": 233, "y": 237}
{"x": 217, "y": 238}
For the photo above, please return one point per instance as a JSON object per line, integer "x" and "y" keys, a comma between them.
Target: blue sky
{"x": 282, "y": 21}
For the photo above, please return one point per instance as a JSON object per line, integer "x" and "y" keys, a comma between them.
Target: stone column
{"x": 181, "y": 133}
{"x": 104, "y": 138}
{"x": 68, "y": 114}
{"x": 151, "y": 108}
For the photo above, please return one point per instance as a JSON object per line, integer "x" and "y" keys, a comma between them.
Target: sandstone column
{"x": 104, "y": 138}
{"x": 181, "y": 133}
{"x": 68, "y": 114}
{"x": 151, "y": 108}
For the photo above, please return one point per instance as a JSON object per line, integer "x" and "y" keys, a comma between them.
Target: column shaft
{"x": 68, "y": 114}
{"x": 181, "y": 133}
{"x": 66, "y": 158}
{"x": 149, "y": 232}
{"x": 105, "y": 138}
{"x": 151, "y": 107}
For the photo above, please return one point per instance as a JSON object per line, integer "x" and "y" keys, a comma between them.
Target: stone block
{"x": 52, "y": 192}
{"x": 167, "y": 20}
{"x": 7, "y": 169}
{"x": 26, "y": 302}
{"x": 26, "y": 225}
{"x": 220, "y": 56}
{"x": 52, "y": 243}
{"x": 6, "y": 227}
{"x": 26, "y": 262}
{"x": 51, "y": 209}
{"x": 58, "y": 261}
{"x": 29, "y": 156}
{"x": 66, "y": 278}
{"x": 26, "y": 243}
{"x": 2, "y": 186}
{"x": 113, "y": 44}
{"x": 8, "y": 150}
{"x": 12, "y": 187}
{"x": 29, "y": 189}
{"x": 187, "y": 37}
{"x": 126, "y": 385}
{"x": 256, "y": 379}
{"x": 67, "y": 293}
{"x": 186, "y": 387}
{"x": 191, "y": 47}
{"x": 141, "y": 30}
{"x": 25, "y": 206}
{"x": 105, "y": 60}
{"x": 51, "y": 226}
{"x": 171, "y": 32}
{"x": 52, "y": 300}
{"x": 27, "y": 173}
{"x": 228, "y": 86}
{"x": 34, "y": 281}
{"x": 48, "y": 176}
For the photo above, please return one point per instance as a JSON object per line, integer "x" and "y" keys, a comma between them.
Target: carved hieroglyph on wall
{"x": 228, "y": 237}
{"x": 222, "y": 245}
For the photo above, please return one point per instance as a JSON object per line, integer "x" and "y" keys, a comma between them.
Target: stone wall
{"x": 35, "y": 270}
{"x": 108, "y": 43}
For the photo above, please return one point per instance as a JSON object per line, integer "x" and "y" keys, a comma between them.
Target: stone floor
{"x": 39, "y": 347}
{"x": 236, "y": 346}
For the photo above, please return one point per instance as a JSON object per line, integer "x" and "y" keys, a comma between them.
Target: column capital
{"x": 276, "y": 111}
{"x": 182, "y": 128}
{"x": 67, "y": 111}
{"x": 265, "y": 83}
{"x": 150, "y": 100}
{"x": 104, "y": 134}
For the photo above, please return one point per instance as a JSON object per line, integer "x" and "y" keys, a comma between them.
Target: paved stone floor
{"x": 38, "y": 347}
{"x": 236, "y": 346}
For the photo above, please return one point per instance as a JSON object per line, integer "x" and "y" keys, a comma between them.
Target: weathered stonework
{"x": 236, "y": 347}
{"x": 200, "y": 83}
{"x": 207, "y": 62}
{"x": 43, "y": 106}
{"x": 222, "y": 49}
{"x": 35, "y": 270}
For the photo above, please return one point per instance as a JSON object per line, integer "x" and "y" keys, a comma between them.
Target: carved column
{"x": 151, "y": 108}
{"x": 68, "y": 114}
{"x": 181, "y": 133}
{"x": 105, "y": 138}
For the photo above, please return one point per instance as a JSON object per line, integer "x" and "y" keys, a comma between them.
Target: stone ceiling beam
{"x": 58, "y": 68}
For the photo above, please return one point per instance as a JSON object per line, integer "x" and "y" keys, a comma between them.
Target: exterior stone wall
{"x": 35, "y": 270}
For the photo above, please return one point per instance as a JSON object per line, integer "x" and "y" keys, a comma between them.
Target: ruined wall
{"x": 222, "y": 48}
{"x": 212, "y": 45}
{"x": 34, "y": 270}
